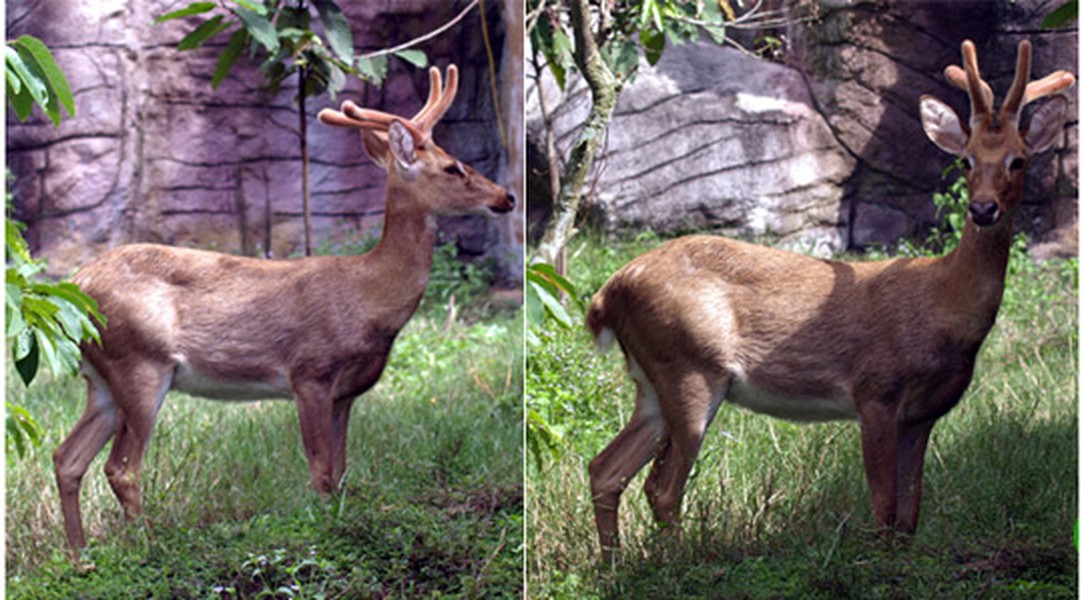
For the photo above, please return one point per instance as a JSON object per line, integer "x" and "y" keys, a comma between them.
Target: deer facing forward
{"x": 892, "y": 344}
{"x": 317, "y": 330}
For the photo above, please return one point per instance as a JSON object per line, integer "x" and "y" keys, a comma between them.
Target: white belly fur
{"x": 744, "y": 393}
{"x": 188, "y": 380}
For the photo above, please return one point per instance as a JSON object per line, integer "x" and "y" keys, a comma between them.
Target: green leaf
{"x": 27, "y": 366}
{"x": 336, "y": 29}
{"x": 374, "y": 69}
{"x": 16, "y": 61}
{"x": 553, "y": 305}
{"x": 653, "y": 42}
{"x": 414, "y": 57}
{"x": 206, "y": 30}
{"x": 259, "y": 9}
{"x": 229, "y": 56}
{"x": 192, "y": 9}
{"x": 39, "y": 60}
{"x": 260, "y": 29}
{"x": 1061, "y": 16}
{"x": 22, "y": 103}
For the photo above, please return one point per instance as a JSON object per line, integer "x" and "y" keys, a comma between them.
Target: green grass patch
{"x": 779, "y": 509}
{"x": 432, "y": 504}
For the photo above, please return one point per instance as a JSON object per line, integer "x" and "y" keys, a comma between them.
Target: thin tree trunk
{"x": 306, "y": 208}
{"x": 603, "y": 99}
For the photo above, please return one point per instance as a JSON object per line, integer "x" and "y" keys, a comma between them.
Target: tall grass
{"x": 432, "y": 502}
{"x": 778, "y": 509}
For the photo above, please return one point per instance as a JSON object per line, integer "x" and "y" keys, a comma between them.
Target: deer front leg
{"x": 315, "y": 414}
{"x": 340, "y": 419}
{"x": 911, "y": 453}
{"x": 879, "y": 450}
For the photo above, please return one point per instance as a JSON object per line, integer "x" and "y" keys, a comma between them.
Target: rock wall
{"x": 825, "y": 150}
{"x": 154, "y": 155}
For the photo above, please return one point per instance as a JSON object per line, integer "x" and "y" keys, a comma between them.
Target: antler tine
{"x": 1051, "y": 84}
{"x": 376, "y": 120}
{"x": 981, "y": 104}
{"x": 958, "y": 78}
{"x": 435, "y": 92}
{"x": 1010, "y": 109}
{"x": 447, "y": 96}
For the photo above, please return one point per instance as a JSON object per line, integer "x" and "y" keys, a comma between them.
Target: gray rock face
{"x": 154, "y": 155}
{"x": 825, "y": 152}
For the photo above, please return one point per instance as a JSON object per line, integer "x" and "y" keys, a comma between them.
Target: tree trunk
{"x": 306, "y": 208}
{"x": 582, "y": 157}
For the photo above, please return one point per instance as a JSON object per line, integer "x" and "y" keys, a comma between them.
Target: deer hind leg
{"x": 139, "y": 392}
{"x": 612, "y": 469}
{"x": 689, "y": 404}
{"x": 72, "y": 459}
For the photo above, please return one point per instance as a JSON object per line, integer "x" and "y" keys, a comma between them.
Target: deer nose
{"x": 983, "y": 212}
{"x": 511, "y": 199}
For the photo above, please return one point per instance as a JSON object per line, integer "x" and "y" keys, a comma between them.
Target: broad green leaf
{"x": 374, "y": 69}
{"x": 206, "y": 30}
{"x": 414, "y": 57}
{"x": 259, "y": 9}
{"x": 192, "y": 9}
{"x": 55, "y": 78}
{"x": 36, "y": 86}
{"x": 1061, "y": 16}
{"x": 15, "y": 85}
{"x": 27, "y": 365}
{"x": 229, "y": 56}
{"x": 653, "y": 42}
{"x": 336, "y": 29}
{"x": 21, "y": 102}
{"x": 260, "y": 29}
{"x": 553, "y": 305}
{"x": 536, "y": 312}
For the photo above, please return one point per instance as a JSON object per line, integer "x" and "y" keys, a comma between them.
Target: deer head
{"x": 995, "y": 148}
{"x": 405, "y": 149}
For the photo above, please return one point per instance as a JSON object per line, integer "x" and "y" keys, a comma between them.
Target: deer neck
{"x": 975, "y": 273}
{"x": 401, "y": 261}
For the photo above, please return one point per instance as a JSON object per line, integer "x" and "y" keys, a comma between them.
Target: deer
{"x": 317, "y": 330}
{"x": 892, "y": 344}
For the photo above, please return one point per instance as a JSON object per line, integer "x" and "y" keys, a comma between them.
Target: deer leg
{"x": 72, "y": 459}
{"x": 910, "y": 456}
{"x": 315, "y": 414}
{"x": 144, "y": 388}
{"x": 689, "y": 407}
{"x": 880, "y": 433}
{"x": 340, "y": 420}
{"x": 612, "y": 469}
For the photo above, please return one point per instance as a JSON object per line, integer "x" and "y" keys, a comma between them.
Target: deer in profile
{"x": 891, "y": 343}
{"x": 317, "y": 330}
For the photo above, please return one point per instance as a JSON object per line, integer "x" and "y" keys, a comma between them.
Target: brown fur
{"x": 892, "y": 343}
{"x": 317, "y": 330}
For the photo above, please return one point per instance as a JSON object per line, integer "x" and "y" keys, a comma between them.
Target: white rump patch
{"x": 605, "y": 339}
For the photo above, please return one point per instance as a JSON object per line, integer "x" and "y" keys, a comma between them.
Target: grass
{"x": 432, "y": 505}
{"x": 778, "y": 509}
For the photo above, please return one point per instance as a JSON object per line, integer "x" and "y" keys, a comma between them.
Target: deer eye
{"x": 456, "y": 168}
{"x": 967, "y": 163}
{"x": 1016, "y": 164}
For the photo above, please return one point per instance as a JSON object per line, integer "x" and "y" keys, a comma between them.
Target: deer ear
{"x": 942, "y": 125}
{"x": 376, "y": 146}
{"x": 1045, "y": 125}
{"x": 401, "y": 144}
